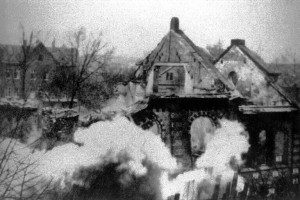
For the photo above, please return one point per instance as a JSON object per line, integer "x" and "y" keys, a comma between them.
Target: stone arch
{"x": 208, "y": 114}
{"x": 150, "y": 121}
{"x": 202, "y": 126}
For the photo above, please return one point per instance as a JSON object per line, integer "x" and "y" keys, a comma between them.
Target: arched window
{"x": 233, "y": 77}
{"x": 150, "y": 123}
{"x": 202, "y": 130}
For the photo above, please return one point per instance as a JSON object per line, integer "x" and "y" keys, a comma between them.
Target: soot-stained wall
{"x": 173, "y": 118}
{"x": 272, "y": 136}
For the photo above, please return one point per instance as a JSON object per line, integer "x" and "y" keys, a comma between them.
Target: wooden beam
{"x": 171, "y": 64}
{"x": 265, "y": 109}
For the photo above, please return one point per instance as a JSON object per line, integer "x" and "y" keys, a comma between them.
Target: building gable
{"x": 245, "y": 70}
{"x": 42, "y": 54}
{"x": 191, "y": 68}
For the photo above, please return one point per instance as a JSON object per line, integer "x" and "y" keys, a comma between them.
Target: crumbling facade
{"x": 186, "y": 93}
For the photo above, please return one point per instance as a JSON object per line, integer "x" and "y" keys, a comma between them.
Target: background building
{"x": 43, "y": 63}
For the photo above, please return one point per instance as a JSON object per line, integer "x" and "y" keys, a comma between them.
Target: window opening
{"x": 169, "y": 76}
{"x": 16, "y": 92}
{"x": 8, "y": 73}
{"x": 16, "y": 74}
{"x": 46, "y": 76}
{"x": 9, "y": 91}
{"x": 233, "y": 77}
{"x": 202, "y": 131}
{"x": 41, "y": 57}
{"x": 280, "y": 142}
{"x": 32, "y": 75}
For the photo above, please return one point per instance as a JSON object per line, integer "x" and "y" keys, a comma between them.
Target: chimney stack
{"x": 174, "y": 24}
{"x": 237, "y": 42}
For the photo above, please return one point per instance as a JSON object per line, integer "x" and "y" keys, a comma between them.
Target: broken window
{"x": 202, "y": 131}
{"x": 280, "y": 147}
{"x": 262, "y": 148}
{"x": 168, "y": 79}
{"x": 269, "y": 145}
{"x": 233, "y": 77}
{"x": 169, "y": 76}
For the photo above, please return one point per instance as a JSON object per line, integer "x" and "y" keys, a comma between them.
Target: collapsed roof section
{"x": 177, "y": 49}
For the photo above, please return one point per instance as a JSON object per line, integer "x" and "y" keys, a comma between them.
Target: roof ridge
{"x": 205, "y": 62}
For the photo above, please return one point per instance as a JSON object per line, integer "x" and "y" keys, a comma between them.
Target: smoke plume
{"x": 115, "y": 160}
{"x": 220, "y": 160}
{"x": 108, "y": 160}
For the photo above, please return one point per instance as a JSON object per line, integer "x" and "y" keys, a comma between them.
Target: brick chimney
{"x": 174, "y": 25}
{"x": 237, "y": 42}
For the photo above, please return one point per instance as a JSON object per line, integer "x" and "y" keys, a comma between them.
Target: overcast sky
{"x": 135, "y": 27}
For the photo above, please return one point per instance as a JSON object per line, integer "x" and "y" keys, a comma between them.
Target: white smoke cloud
{"x": 228, "y": 142}
{"x": 107, "y": 140}
{"x": 223, "y": 151}
{"x": 131, "y": 149}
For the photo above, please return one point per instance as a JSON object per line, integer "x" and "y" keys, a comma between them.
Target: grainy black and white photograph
{"x": 149, "y": 100}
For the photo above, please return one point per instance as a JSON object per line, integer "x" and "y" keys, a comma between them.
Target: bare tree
{"x": 89, "y": 55}
{"x": 25, "y": 57}
{"x": 18, "y": 177}
{"x": 216, "y": 50}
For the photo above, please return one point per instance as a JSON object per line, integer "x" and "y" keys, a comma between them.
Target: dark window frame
{"x": 40, "y": 57}
{"x": 169, "y": 76}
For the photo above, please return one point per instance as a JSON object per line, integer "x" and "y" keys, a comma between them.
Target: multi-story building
{"x": 41, "y": 61}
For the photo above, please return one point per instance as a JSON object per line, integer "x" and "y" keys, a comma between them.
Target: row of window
{"x": 15, "y": 74}
{"x": 10, "y": 73}
{"x": 169, "y": 76}
{"x": 266, "y": 148}
{"x": 14, "y": 92}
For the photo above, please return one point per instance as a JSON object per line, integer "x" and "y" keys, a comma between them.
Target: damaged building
{"x": 185, "y": 94}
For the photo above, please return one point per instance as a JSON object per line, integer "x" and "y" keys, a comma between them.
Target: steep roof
{"x": 40, "y": 47}
{"x": 166, "y": 52}
{"x": 10, "y": 53}
{"x": 262, "y": 65}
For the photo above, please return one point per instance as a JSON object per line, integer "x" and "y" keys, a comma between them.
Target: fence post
{"x": 217, "y": 188}
{"x": 233, "y": 192}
